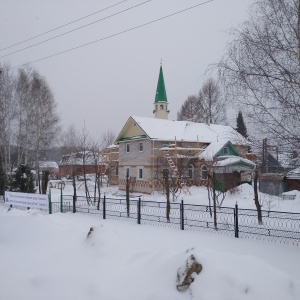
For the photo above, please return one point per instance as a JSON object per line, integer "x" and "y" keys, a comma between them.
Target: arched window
{"x": 203, "y": 172}
{"x": 191, "y": 171}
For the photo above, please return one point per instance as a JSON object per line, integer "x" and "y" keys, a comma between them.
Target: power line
{"x": 115, "y": 34}
{"x": 78, "y": 28}
{"x": 59, "y": 27}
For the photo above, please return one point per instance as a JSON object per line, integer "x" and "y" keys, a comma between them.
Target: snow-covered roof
{"x": 211, "y": 151}
{"x": 233, "y": 160}
{"x": 167, "y": 130}
{"x": 48, "y": 165}
{"x": 79, "y": 158}
{"x": 293, "y": 174}
{"x": 112, "y": 146}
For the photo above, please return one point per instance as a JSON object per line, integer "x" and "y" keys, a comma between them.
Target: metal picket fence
{"x": 283, "y": 227}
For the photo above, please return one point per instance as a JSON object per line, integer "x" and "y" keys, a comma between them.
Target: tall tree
{"x": 206, "y": 107}
{"x": 212, "y": 103}
{"x": 107, "y": 138}
{"x": 44, "y": 127}
{"x": 7, "y": 114}
{"x": 24, "y": 180}
{"x": 261, "y": 69}
{"x": 70, "y": 140}
{"x": 190, "y": 110}
{"x": 28, "y": 118}
{"x": 240, "y": 125}
{"x": 23, "y": 121}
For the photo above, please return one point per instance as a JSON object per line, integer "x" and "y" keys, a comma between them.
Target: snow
{"x": 167, "y": 130}
{"x": 211, "y": 150}
{"x": 233, "y": 160}
{"x": 242, "y": 195}
{"x": 295, "y": 195}
{"x": 50, "y": 257}
{"x": 293, "y": 174}
{"x": 48, "y": 165}
{"x": 77, "y": 158}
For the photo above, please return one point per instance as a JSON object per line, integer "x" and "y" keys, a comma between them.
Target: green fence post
{"x": 50, "y": 203}
{"x": 61, "y": 201}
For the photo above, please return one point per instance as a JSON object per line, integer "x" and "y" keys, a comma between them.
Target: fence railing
{"x": 283, "y": 227}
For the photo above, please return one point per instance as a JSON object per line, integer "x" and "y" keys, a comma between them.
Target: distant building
{"x": 293, "y": 180}
{"x": 272, "y": 183}
{"x": 80, "y": 163}
{"x": 50, "y": 166}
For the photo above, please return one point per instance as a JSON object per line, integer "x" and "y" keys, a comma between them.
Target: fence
{"x": 283, "y": 227}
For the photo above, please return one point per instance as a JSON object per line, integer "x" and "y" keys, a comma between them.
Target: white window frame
{"x": 192, "y": 169}
{"x": 201, "y": 172}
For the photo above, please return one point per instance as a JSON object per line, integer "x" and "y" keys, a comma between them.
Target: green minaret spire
{"x": 161, "y": 95}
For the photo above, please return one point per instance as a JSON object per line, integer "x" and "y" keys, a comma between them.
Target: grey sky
{"x": 106, "y": 82}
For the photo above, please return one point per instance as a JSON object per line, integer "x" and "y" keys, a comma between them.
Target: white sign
{"x": 27, "y": 200}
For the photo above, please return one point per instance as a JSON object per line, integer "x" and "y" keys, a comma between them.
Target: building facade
{"x": 150, "y": 148}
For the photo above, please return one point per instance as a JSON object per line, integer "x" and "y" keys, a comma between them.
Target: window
{"x": 117, "y": 169}
{"x": 141, "y": 148}
{"x": 127, "y": 147}
{"x": 165, "y": 173}
{"x": 225, "y": 151}
{"x": 139, "y": 174}
{"x": 203, "y": 172}
{"x": 127, "y": 171}
{"x": 191, "y": 171}
{"x": 161, "y": 107}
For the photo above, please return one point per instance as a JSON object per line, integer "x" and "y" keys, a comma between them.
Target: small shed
{"x": 293, "y": 180}
{"x": 272, "y": 183}
{"x": 232, "y": 171}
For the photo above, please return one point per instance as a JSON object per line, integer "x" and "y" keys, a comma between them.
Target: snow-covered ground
{"x": 50, "y": 257}
{"x": 242, "y": 195}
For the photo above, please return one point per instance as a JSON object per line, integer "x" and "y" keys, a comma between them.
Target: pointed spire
{"x": 161, "y": 95}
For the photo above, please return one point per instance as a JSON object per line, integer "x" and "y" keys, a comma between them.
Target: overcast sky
{"x": 106, "y": 82}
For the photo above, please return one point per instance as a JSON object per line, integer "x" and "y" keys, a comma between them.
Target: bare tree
{"x": 7, "y": 114}
{"x": 28, "y": 120}
{"x": 44, "y": 129}
{"x": 108, "y": 138}
{"x": 206, "y": 107}
{"x": 261, "y": 69}
{"x": 23, "y": 121}
{"x": 190, "y": 110}
{"x": 70, "y": 140}
{"x": 212, "y": 103}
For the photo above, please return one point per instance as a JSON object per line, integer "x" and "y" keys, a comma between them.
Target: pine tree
{"x": 240, "y": 125}
{"x": 24, "y": 180}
